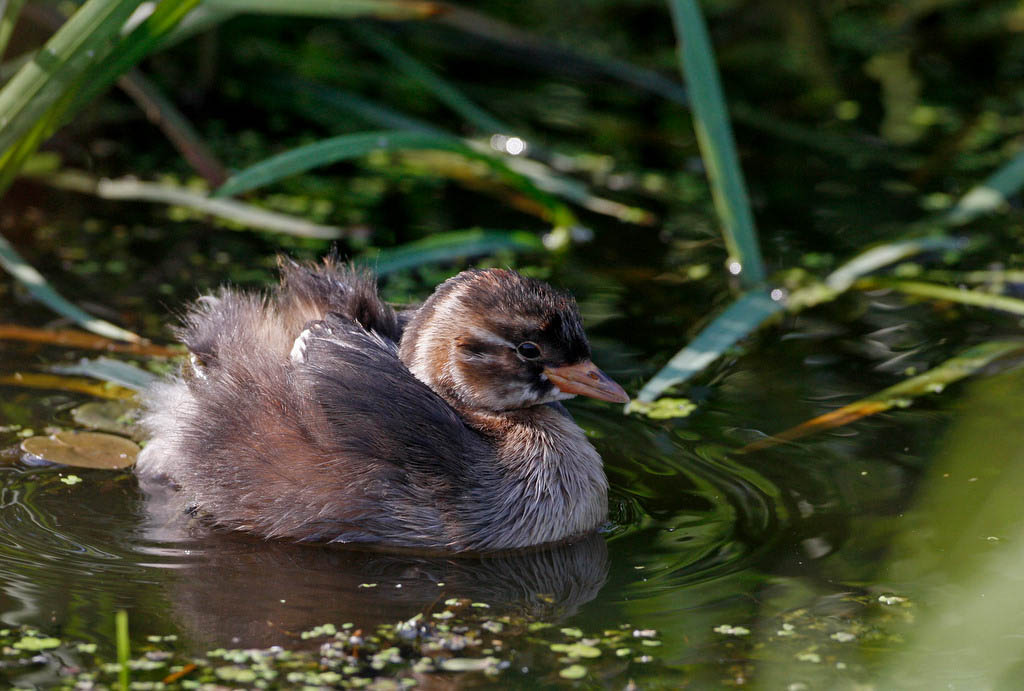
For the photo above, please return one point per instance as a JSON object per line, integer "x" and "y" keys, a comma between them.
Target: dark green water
{"x": 921, "y": 503}
{"x": 884, "y": 554}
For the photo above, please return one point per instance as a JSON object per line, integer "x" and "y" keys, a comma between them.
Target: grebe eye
{"x": 528, "y": 350}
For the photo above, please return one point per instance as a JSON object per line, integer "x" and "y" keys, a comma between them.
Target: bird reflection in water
{"x": 247, "y": 592}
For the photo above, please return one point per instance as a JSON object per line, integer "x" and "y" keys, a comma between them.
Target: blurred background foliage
{"x": 455, "y": 131}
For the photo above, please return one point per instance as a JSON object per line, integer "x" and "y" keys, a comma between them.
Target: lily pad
{"x": 116, "y": 417}
{"x": 83, "y": 450}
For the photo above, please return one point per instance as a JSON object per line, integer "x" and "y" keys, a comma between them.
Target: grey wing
{"x": 374, "y": 408}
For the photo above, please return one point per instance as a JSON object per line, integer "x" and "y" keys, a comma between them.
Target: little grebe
{"x": 320, "y": 413}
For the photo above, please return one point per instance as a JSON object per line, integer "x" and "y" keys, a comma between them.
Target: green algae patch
{"x": 663, "y": 408}
{"x": 467, "y": 641}
{"x": 34, "y": 644}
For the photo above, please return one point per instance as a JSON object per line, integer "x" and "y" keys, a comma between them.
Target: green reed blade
{"x": 741, "y": 318}
{"x": 42, "y": 82}
{"x": 557, "y": 57}
{"x": 333, "y": 150}
{"x": 123, "y": 647}
{"x": 883, "y": 255}
{"x": 383, "y": 9}
{"x": 323, "y": 103}
{"x": 15, "y": 265}
{"x": 110, "y": 370}
{"x": 89, "y": 69}
{"x": 714, "y": 135}
{"x": 329, "y": 104}
{"x": 448, "y": 247}
{"x": 247, "y": 215}
{"x": 446, "y": 92}
{"x": 350, "y": 146}
{"x": 990, "y": 195}
{"x": 146, "y": 37}
{"x": 8, "y": 19}
{"x": 933, "y": 291}
{"x": 213, "y": 12}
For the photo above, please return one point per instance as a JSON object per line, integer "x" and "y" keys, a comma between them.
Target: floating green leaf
{"x": 741, "y": 318}
{"x": 116, "y": 417}
{"x": 447, "y": 247}
{"x": 714, "y": 135}
{"x": 83, "y": 450}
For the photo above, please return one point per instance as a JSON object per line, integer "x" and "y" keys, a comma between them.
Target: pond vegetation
{"x": 794, "y": 232}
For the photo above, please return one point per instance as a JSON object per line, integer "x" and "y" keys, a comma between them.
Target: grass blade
{"x": 333, "y": 150}
{"x": 934, "y": 291}
{"x": 146, "y": 37}
{"x": 718, "y": 149}
{"x": 123, "y": 647}
{"x": 447, "y": 247}
{"x": 742, "y": 317}
{"x": 320, "y": 103}
{"x": 555, "y": 57}
{"x": 68, "y": 338}
{"x": 88, "y": 67}
{"x": 323, "y": 104}
{"x": 448, "y": 94}
{"x": 54, "y": 382}
{"x": 932, "y": 381}
{"x": 229, "y": 209}
{"x": 989, "y": 195}
{"x": 9, "y": 17}
{"x": 350, "y": 146}
{"x": 15, "y": 265}
{"x": 383, "y": 9}
{"x": 54, "y": 69}
{"x": 109, "y": 370}
{"x": 176, "y": 127}
{"x": 883, "y": 255}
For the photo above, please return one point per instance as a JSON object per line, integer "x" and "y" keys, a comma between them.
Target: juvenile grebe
{"x": 319, "y": 413}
